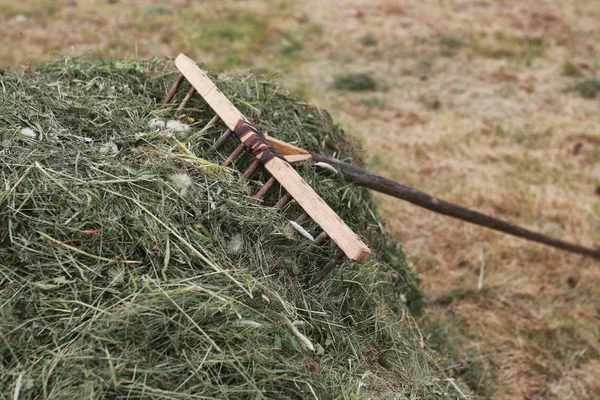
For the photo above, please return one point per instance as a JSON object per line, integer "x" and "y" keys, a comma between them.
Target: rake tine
{"x": 210, "y": 124}
{"x": 322, "y": 236}
{"x": 187, "y": 98}
{"x": 283, "y": 201}
{"x": 250, "y": 170}
{"x": 336, "y": 260}
{"x": 173, "y": 89}
{"x": 221, "y": 140}
{"x": 265, "y": 188}
{"x": 234, "y": 156}
{"x": 303, "y": 217}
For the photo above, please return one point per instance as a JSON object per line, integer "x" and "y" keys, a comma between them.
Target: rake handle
{"x": 363, "y": 177}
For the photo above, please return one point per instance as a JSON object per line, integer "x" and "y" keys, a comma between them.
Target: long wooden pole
{"x": 363, "y": 177}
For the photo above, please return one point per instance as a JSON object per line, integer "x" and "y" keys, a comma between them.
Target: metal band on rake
{"x": 255, "y": 142}
{"x": 275, "y": 156}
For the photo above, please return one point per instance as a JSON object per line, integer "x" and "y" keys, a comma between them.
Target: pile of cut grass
{"x": 133, "y": 265}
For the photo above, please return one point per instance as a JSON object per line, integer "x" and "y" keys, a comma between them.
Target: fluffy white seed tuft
{"x": 181, "y": 181}
{"x": 157, "y": 124}
{"x": 177, "y": 126}
{"x": 30, "y": 133}
{"x": 108, "y": 148}
{"x": 236, "y": 243}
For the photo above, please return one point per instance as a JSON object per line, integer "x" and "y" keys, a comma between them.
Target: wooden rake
{"x": 276, "y": 157}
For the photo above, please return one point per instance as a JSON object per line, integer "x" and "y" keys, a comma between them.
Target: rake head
{"x": 275, "y": 156}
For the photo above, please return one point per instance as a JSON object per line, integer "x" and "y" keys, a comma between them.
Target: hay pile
{"x": 133, "y": 265}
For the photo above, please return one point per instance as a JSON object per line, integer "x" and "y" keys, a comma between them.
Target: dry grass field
{"x": 490, "y": 104}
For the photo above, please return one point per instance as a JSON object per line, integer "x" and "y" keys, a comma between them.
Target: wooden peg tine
{"x": 187, "y": 98}
{"x": 234, "y": 156}
{"x": 265, "y": 188}
{"x": 174, "y": 89}
{"x": 221, "y": 140}
{"x": 319, "y": 239}
{"x": 210, "y": 124}
{"x": 286, "y": 198}
{"x": 251, "y": 168}
{"x": 303, "y": 217}
{"x": 336, "y": 260}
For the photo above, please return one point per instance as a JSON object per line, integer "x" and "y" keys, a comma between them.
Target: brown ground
{"x": 474, "y": 105}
